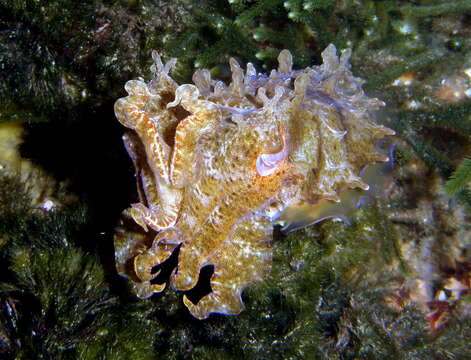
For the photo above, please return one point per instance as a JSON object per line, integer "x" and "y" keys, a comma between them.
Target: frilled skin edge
{"x": 217, "y": 165}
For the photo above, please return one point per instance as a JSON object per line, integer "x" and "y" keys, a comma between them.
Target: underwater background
{"x": 391, "y": 282}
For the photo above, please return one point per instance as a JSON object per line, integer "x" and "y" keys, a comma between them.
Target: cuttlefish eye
{"x": 267, "y": 164}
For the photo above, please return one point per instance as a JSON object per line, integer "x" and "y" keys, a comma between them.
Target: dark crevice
{"x": 203, "y": 286}
{"x": 165, "y": 269}
{"x": 177, "y": 111}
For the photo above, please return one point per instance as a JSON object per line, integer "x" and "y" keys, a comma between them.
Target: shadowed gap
{"x": 165, "y": 268}
{"x": 203, "y": 286}
{"x": 164, "y": 271}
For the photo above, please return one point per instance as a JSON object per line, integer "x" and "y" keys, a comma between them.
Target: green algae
{"x": 447, "y": 7}
{"x": 461, "y": 178}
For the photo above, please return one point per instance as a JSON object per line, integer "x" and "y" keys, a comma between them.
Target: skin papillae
{"x": 216, "y": 166}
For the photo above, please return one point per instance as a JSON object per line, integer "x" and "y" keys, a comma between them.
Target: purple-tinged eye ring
{"x": 267, "y": 164}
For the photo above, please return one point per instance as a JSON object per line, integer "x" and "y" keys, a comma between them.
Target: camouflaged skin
{"x": 217, "y": 165}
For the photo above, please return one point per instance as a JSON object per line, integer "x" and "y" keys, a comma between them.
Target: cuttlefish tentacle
{"x": 132, "y": 113}
{"x": 204, "y": 116}
{"x": 155, "y": 217}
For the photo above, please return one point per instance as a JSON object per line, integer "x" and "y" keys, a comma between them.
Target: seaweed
{"x": 55, "y": 301}
{"x": 460, "y": 179}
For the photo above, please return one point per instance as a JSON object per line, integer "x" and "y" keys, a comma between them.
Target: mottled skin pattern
{"x": 216, "y": 165}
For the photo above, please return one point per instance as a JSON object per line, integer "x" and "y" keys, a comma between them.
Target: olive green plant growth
{"x": 54, "y": 300}
{"x": 461, "y": 178}
{"x": 59, "y": 307}
{"x": 327, "y": 298}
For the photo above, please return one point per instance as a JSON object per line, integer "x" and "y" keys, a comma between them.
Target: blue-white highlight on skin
{"x": 267, "y": 164}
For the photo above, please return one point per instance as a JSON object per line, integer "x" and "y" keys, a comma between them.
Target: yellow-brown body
{"x": 217, "y": 165}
